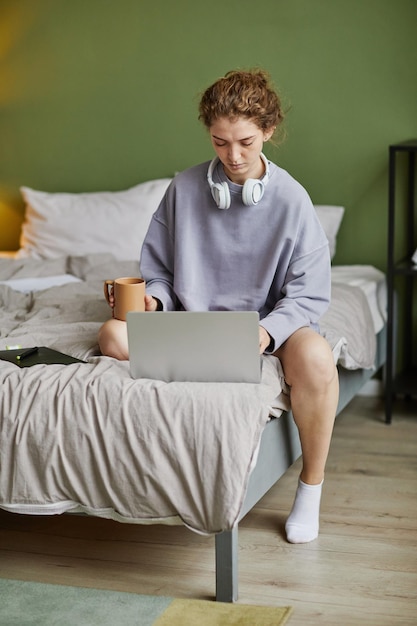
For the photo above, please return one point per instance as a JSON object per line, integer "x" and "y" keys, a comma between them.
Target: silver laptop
{"x": 215, "y": 346}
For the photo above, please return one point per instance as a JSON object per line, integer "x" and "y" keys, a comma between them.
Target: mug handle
{"x": 108, "y": 289}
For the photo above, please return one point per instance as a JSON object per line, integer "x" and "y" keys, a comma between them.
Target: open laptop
{"x": 214, "y": 346}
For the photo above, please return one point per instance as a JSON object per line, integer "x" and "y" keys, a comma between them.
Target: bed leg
{"x": 227, "y": 565}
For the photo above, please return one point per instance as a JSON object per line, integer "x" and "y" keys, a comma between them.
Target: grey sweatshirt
{"x": 272, "y": 257}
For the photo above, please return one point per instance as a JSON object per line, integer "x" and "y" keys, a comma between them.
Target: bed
{"x": 86, "y": 438}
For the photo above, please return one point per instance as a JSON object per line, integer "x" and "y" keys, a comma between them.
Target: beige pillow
{"x": 62, "y": 224}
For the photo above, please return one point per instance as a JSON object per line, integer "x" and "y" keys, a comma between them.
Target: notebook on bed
{"x": 215, "y": 346}
{"x": 26, "y": 357}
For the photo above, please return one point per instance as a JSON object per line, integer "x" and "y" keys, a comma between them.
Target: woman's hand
{"x": 264, "y": 339}
{"x": 151, "y": 304}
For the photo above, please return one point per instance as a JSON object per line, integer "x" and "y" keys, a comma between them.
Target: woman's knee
{"x": 112, "y": 339}
{"x": 306, "y": 356}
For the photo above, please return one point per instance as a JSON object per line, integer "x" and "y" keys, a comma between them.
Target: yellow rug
{"x": 206, "y": 613}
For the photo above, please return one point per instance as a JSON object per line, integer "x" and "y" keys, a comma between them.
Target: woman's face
{"x": 238, "y": 143}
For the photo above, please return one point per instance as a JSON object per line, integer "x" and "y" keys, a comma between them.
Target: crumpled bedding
{"x": 355, "y": 347}
{"x": 87, "y": 437}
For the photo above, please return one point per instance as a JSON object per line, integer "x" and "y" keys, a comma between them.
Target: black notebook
{"x": 26, "y": 357}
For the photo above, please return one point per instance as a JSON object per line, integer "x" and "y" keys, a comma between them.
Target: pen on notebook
{"x": 26, "y": 353}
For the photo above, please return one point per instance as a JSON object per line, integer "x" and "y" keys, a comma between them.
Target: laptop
{"x": 214, "y": 346}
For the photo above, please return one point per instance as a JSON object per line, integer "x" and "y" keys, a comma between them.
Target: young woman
{"x": 239, "y": 233}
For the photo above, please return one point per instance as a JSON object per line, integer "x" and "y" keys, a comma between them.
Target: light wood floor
{"x": 361, "y": 570}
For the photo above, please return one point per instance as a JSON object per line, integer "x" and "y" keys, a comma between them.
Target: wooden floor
{"x": 361, "y": 570}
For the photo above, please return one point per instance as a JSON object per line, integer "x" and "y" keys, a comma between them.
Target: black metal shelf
{"x": 406, "y": 268}
{"x": 404, "y": 146}
{"x": 404, "y": 382}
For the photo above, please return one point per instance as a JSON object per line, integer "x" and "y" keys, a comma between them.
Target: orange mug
{"x": 128, "y": 293}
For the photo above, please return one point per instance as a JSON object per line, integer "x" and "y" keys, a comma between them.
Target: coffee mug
{"x": 128, "y": 293}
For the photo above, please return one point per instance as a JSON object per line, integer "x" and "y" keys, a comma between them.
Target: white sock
{"x": 303, "y": 522}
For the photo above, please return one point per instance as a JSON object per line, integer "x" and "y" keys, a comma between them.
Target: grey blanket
{"x": 87, "y": 437}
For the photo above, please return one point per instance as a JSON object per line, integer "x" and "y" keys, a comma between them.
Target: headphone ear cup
{"x": 252, "y": 191}
{"x": 221, "y": 195}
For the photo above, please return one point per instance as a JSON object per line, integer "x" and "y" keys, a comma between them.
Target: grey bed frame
{"x": 279, "y": 449}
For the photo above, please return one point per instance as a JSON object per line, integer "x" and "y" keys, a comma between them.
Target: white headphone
{"x": 252, "y": 191}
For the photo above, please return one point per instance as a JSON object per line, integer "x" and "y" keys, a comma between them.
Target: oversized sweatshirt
{"x": 272, "y": 257}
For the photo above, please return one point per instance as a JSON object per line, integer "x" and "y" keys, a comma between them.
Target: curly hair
{"x": 247, "y": 94}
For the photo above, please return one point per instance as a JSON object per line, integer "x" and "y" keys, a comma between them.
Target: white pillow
{"x": 330, "y": 218}
{"x": 61, "y": 224}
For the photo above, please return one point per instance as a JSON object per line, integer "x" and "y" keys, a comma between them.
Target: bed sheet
{"x": 373, "y": 284}
{"x": 356, "y": 314}
{"x": 87, "y": 437}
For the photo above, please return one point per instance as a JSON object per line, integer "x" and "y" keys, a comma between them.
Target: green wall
{"x": 102, "y": 94}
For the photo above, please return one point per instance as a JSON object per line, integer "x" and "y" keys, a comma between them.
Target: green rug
{"x": 38, "y": 604}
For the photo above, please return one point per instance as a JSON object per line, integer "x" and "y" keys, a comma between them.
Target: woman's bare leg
{"x": 310, "y": 372}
